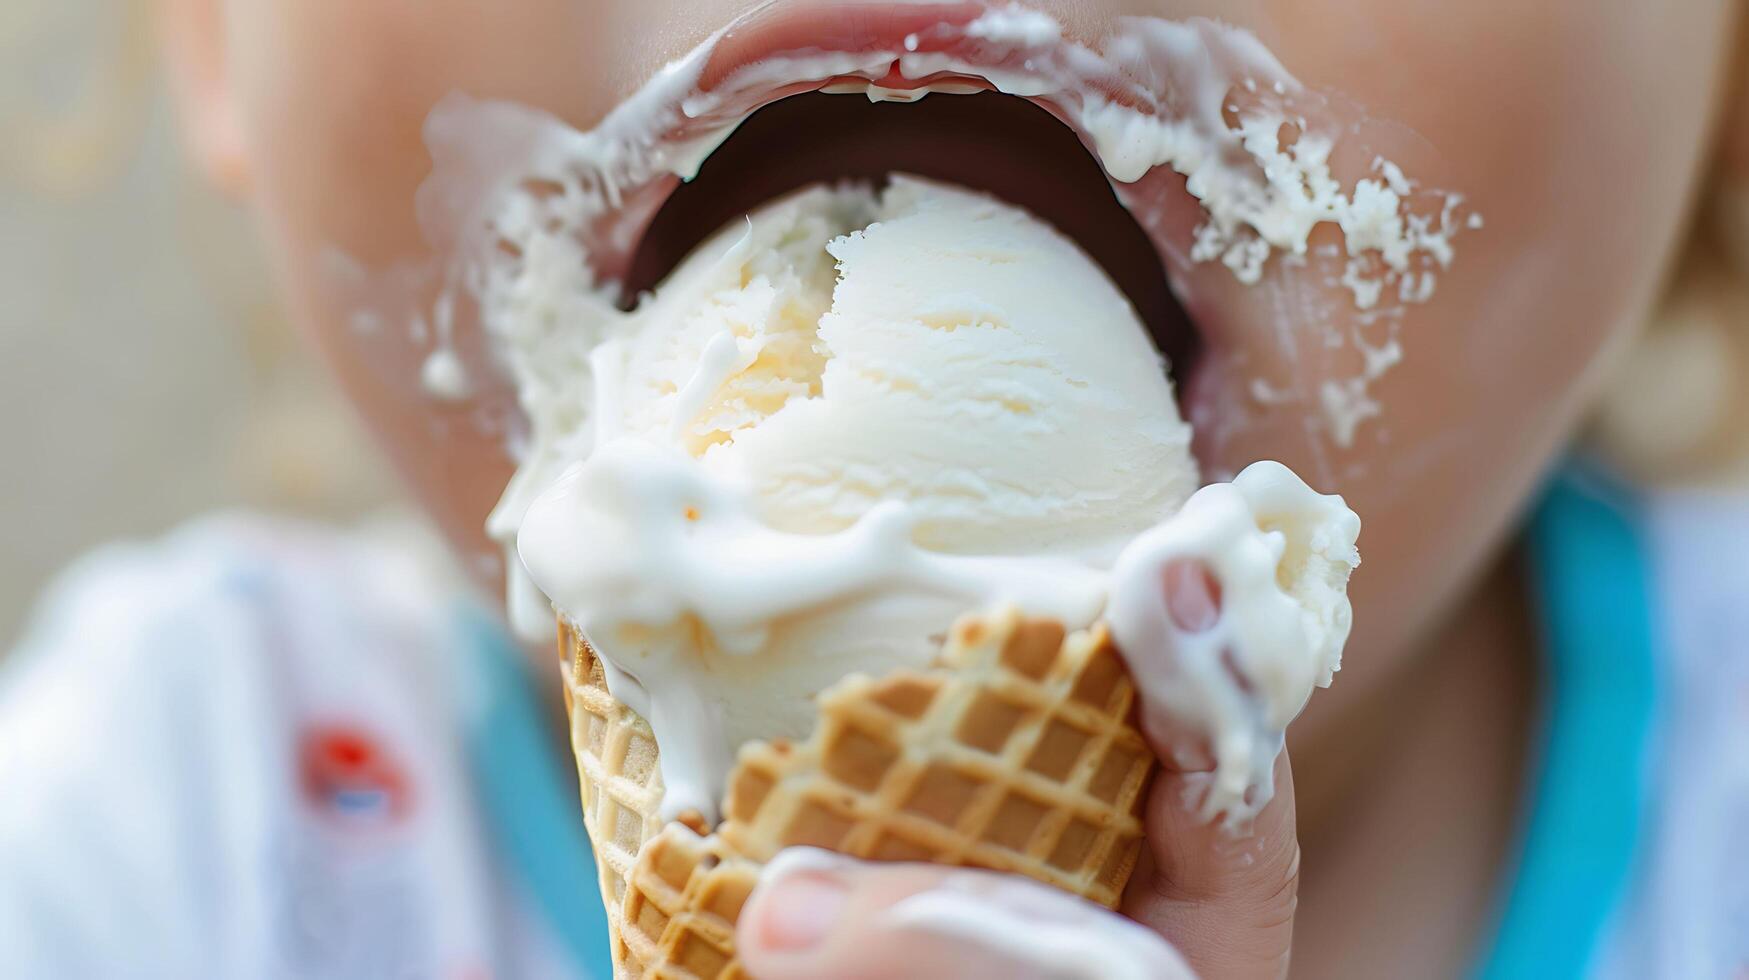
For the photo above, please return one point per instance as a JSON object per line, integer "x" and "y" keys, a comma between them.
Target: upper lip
{"x": 780, "y": 28}
{"x": 787, "y": 48}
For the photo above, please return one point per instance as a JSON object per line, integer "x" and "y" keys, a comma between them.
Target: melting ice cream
{"x": 842, "y": 424}
{"x": 830, "y": 432}
{"x": 846, "y": 421}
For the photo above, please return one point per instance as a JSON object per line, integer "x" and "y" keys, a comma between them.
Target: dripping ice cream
{"x": 847, "y": 420}
{"x": 860, "y": 411}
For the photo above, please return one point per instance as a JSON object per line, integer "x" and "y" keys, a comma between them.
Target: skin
{"x": 1579, "y": 129}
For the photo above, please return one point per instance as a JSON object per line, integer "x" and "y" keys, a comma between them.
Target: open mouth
{"x": 1179, "y": 155}
{"x": 1109, "y": 146}
{"x": 999, "y": 144}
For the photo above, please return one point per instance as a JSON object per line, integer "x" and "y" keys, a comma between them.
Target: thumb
{"x": 1226, "y": 898}
{"x": 819, "y": 914}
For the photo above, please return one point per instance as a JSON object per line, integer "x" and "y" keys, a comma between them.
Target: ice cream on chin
{"x": 840, "y": 425}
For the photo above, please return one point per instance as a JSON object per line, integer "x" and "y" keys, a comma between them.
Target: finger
{"x": 1220, "y": 876}
{"x": 819, "y": 914}
{"x": 1224, "y": 897}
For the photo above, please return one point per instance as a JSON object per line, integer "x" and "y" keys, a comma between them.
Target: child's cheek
{"x": 334, "y": 96}
{"x": 1436, "y": 419}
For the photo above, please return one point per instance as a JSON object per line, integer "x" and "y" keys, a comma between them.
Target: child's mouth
{"x": 1167, "y": 152}
{"x": 872, "y": 409}
{"x": 972, "y": 134}
{"x": 996, "y": 143}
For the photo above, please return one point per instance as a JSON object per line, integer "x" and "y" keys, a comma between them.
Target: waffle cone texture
{"x": 1016, "y": 751}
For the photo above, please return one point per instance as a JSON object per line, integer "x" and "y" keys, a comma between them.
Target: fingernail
{"x": 799, "y": 911}
{"x": 1193, "y": 595}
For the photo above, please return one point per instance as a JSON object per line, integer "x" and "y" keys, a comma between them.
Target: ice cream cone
{"x": 1016, "y": 751}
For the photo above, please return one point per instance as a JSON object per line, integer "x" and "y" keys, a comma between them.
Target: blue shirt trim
{"x": 531, "y": 811}
{"x": 1590, "y": 568}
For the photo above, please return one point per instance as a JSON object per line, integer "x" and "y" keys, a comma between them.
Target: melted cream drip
{"x": 666, "y": 567}
{"x": 1281, "y": 554}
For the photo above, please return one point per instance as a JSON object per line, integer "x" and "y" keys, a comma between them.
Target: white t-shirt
{"x": 244, "y": 751}
{"x": 1686, "y": 909}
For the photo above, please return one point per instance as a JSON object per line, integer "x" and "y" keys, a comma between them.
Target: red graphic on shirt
{"x": 349, "y": 776}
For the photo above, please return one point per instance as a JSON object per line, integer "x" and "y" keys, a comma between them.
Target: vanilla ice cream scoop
{"x": 927, "y": 345}
{"x": 833, "y": 429}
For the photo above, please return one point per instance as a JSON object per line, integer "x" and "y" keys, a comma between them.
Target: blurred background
{"x": 145, "y": 373}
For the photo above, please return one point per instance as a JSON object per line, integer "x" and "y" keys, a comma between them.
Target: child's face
{"x": 1575, "y": 129}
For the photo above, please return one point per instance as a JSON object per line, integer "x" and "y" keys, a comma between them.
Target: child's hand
{"x": 1222, "y": 905}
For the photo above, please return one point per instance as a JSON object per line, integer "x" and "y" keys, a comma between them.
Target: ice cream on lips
{"x": 840, "y": 425}
{"x": 809, "y": 450}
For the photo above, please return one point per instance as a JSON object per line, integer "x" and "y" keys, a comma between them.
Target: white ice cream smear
{"x": 1027, "y": 929}
{"x": 443, "y": 376}
{"x": 1279, "y": 555}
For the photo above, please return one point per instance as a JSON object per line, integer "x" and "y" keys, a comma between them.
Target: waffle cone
{"x": 1016, "y": 751}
